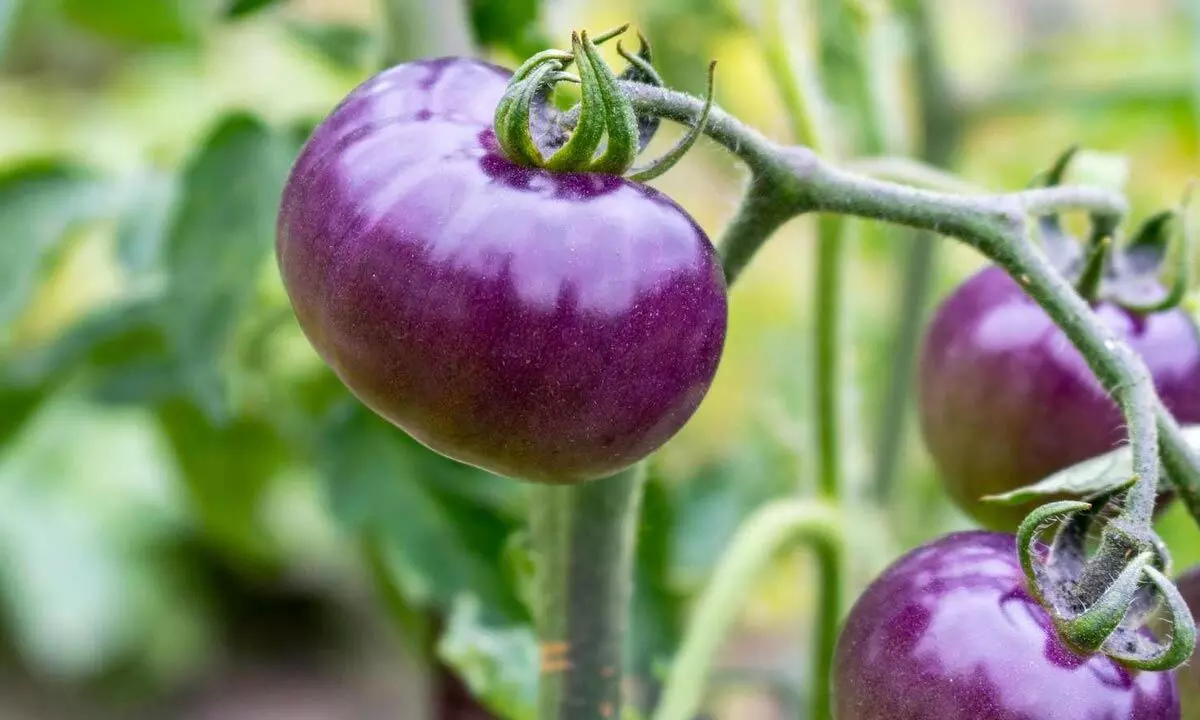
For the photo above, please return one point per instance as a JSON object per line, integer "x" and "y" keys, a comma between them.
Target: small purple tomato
{"x": 550, "y": 327}
{"x": 1006, "y": 400}
{"x": 949, "y": 632}
{"x": 1189, "y": 675}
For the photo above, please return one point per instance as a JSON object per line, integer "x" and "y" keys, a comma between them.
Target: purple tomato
{"x": 1189, "y": 674}
{"x": 551, "y": 327}
{"x": 1006, "y": 400}
{"x": 949, "y": 632}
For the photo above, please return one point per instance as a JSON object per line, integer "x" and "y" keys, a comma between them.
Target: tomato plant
{"x": 544, "y": 326}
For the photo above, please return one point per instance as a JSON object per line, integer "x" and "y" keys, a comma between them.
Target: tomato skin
{"x": 550, "y": 327}
{"x": 1006, "y": 400}
{"x": 949, "y": 632}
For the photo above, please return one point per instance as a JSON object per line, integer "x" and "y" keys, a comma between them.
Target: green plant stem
{"x": 761, "y": 538}
{"x": 833, "y": 238}
{"x": 419, "y": 28}
{"x": 583, "y": 537}
{"x": 941, "y": 132}
{"x": 997, "y": 225}
{"x": 803, "y": 97}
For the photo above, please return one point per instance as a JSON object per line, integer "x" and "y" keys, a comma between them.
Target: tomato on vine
{"x": 950, "y": 632}
{"x": 553, "y": 326}
{"x": 1006, "y": 400}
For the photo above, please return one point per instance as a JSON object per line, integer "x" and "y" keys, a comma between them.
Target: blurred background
{"x": 197, "y": 522}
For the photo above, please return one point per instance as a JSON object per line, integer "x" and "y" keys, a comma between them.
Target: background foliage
{"x": 195, "y": 518}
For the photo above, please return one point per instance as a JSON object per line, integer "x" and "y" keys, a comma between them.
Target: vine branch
{"x": 791, "y": 181}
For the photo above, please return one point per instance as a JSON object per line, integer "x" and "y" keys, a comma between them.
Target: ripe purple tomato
{"x": 949, "y": 632}
{"x": 550, "y": 327}
{"x": 1189, "y": 675}
{"x": 1006, "y": 400}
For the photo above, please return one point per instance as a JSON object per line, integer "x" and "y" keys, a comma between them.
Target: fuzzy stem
{"x": 583, "y": 536}
{"x": 995, "y": 224}
{"x": 760, "y": 539}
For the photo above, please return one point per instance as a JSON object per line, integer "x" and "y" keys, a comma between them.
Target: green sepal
{"x": 621, "y": 122}
{"x": 669, "y": 159}
{"x": 576, "y": 154}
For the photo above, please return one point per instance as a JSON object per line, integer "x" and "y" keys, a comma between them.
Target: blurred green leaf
{"x": 1099, "y": 474}
{"x": 226, "y": 470}
{"x": 513, "y": 25}
{"x": 220, "y": 237}
{"x": 347, "y": 47}
{"x": 144, "y": 220}
{"x": 39, "y": 202}
{"x": 385, "y": 486}
{"x": 108, "y": 336}
{"x": 17, "y": 406}
{"x": 499, "y": 663}
{"x": 711, "y": 504}
{"x": 243, "y": 8}
{"x": 141, "y": 22}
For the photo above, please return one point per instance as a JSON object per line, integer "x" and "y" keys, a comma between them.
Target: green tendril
{"x": 672, "y": 156}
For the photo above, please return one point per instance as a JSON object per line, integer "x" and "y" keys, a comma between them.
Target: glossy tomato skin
{"x": 1189, "y": 674}
{"x": 949, "y": 632}
{"x": 1006, "y": 400}
{"x": 551, "y": 327}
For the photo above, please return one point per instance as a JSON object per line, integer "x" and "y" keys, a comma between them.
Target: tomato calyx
{"x": 1102, "y": 602}
{"x": 603, "y": 134}
{"x": 1129, "y": 273}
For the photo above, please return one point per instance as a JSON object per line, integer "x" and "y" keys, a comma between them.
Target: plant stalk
{"x": 583, "y": 537}
{"x": 419, "y": 28}
{"x": 941, "y": 133}
{"x": 803, "y": 96}
{"x": 767, "y": 533}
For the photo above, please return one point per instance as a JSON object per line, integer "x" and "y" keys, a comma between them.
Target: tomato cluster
{"x": 559, "y": 327}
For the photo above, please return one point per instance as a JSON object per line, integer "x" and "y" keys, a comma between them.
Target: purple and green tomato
{"x": 1006, "y": 400}
{"x": 551, "y": 327}
{"x": 949, "y": 632}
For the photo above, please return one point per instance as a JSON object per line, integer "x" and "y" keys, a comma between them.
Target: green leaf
{"x": 244, "y": 8}
{"x": 144, "y": 221}
{"x": 385, "y": 486}
{"x": 226, "y": 470}
{"x": 107, "y": 337}
{"x": 513, "y": 25}
{"x": 39, "y": 203}
{"x": 499, "y": 663}
{"x": 220, "y": 237}
{"x": 710, "y": 505}
{"x": 141, "y": 22}
{"x": 1099, "y": 474}
{"x": 347, "y": 47}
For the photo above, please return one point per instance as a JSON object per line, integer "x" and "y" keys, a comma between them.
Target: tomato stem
{"x": 770, "y": 531}
{"x": 941, "y": 130}
{"x": 795, "y": 180}
{"x": 583, "y": 538}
